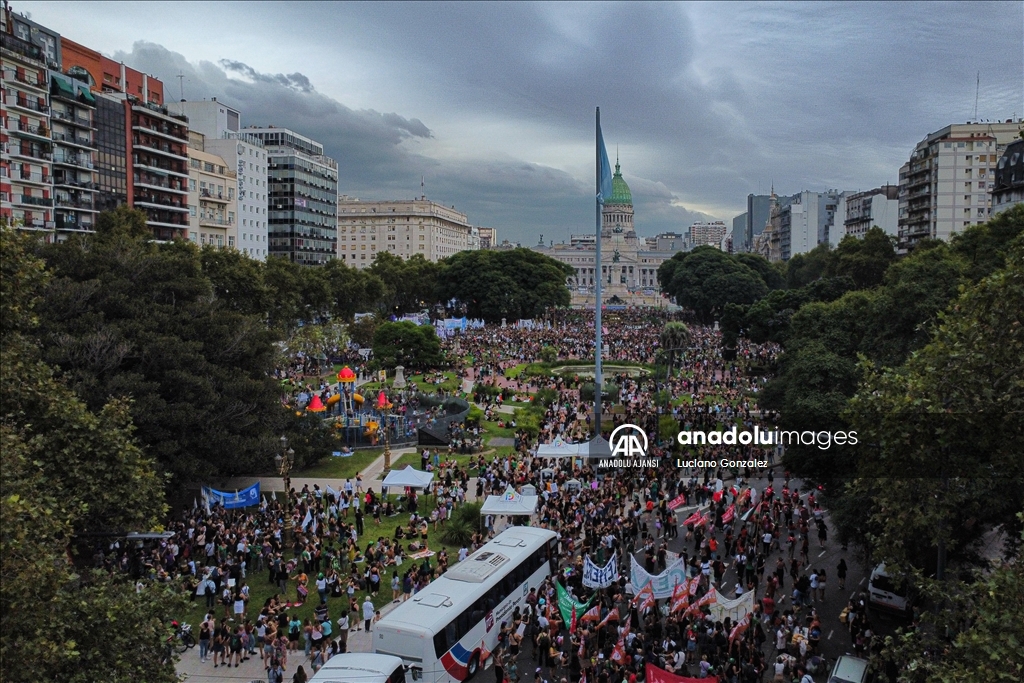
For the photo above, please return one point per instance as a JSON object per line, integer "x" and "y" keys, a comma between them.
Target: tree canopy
{"x": 512, "y": 284}
{"x": 68, "y": 472}
{"x": 707, "y": 279}
{"x": 414, "y": 347}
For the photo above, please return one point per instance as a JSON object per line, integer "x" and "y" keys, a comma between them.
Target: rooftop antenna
{"x": 977, "y": 89}
{"x": 181, "y": 84}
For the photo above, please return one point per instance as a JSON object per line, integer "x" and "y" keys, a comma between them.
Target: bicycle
{"x": 183, "y": 639}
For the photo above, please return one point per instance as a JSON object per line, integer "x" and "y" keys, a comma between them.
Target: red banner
{"x": 729, "y": 513}
{"x": 654, "y": 674}
{"x": 677, "y": 501}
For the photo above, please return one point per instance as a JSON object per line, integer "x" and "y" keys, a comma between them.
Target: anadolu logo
{"x": 628, "y": 441}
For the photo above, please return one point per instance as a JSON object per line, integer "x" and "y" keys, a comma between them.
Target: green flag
{"x": 566, "y": 603}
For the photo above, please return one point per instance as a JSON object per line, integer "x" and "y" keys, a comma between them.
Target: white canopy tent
{"x": 408, "y": 478}
{"x": 511, "y": 503}
{"x": 561, "y": 449}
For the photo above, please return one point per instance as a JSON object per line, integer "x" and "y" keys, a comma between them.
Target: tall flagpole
{"x": 599, "y": 271}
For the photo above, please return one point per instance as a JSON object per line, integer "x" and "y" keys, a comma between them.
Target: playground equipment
{"x": 346, "y": 389}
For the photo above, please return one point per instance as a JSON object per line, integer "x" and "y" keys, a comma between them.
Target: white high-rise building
{"x": 243, "y": 153}
{"x": 808, "y": 221}
{"x": 946, "y": 185}
{"x": 403, "y": 228}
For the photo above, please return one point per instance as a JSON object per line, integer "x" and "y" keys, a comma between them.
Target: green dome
{"x": 620, "y": 190}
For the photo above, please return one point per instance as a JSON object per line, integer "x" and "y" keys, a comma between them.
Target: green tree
{"x": 705, "y": 280}
{"x": 361, "y": 331}
{"x": 865, "y": 260}
{"x": 124, "y": 316}
{"x": 772, "y": 276}
{"x": 67, "y": 472}
{"x": 409, "y": 285}
{"x": 514, "y": 284}
{"x": 415, "y": 347}
{"x": 803, "y": 269}
{"x": 675, "y": 337}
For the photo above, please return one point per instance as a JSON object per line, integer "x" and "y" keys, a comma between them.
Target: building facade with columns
{"x": 629, "y": 265}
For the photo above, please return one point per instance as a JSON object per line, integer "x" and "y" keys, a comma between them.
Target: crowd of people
{"x": 753, "y": 535}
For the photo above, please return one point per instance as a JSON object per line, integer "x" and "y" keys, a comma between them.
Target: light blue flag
{"x": 604, "y": 189}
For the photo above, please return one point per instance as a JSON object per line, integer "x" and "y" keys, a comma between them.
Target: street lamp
{"x": 384, "y": 406}
{"x": 284, "y": 461}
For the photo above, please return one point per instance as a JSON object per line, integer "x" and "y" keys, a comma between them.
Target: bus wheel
{"x": 474, "y": 664}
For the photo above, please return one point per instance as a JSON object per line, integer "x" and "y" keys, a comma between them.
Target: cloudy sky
{"x": 493, "y": 104}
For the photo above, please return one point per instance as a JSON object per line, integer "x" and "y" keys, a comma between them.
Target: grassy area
{"x": 341, "y": 468}
{"x": 261, "y": 589}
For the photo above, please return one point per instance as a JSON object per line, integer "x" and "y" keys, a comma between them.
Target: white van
{"x": 849, "y": 670}
{"x": 885, "y": 594}
{"x": 364, "y": 667}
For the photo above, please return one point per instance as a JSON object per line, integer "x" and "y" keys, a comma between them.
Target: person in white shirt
{"x": 368, "y": 611}
{"x": 463, "y": 553}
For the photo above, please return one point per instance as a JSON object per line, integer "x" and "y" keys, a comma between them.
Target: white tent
{"x": 510, "y": 503}
{"x": 561, "y": 449}
{"x": 408, "y": 478}
{"x": 598, "y": 447}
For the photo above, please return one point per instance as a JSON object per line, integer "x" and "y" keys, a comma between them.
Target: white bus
{"x": 359, "y": 667}
{"x": 439, "y": 632}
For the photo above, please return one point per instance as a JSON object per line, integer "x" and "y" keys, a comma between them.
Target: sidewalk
{"x": 371, "y": 477}
{"x": 194, "y": 671}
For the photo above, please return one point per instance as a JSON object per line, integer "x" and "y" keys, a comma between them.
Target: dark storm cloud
{"x": 707, "y": 101}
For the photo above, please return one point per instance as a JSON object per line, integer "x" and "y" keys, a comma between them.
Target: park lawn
{"x": 515, "y": 371}
{"x": 519, "y": 404}
{"x": 340, "y": 468}
{"x": 261, "y": 589}
{"x": 450, "y": 384}
{"x": 491, "y": 429}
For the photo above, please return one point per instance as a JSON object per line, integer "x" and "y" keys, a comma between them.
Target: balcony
{"x": 74, "y": 119}
{"x": 69, "y": 203}
{"x": 161, "y": 149}
{"x": 148, "y": 109}
{"x": 72, "y": 160}
{"x": 158, "y": 202}
{"x": 69, "y": 223}
{"x": 29, "y": 177}
{"x": 71, "y": 139}
{"x": 64, "y": 181}
{"x": 159, "y": 184}
{"x": 213, "y": 196}
{"x": 215, "y": 222}
{"x": 27, "y": 105}
{"x": 155, "y": 166}
{"x": 22, "y": 48}
{"x": 38, "y": 130}
{"x": 164, "y": 132}
{"x": 26, "y": 200}
{"x": 35, "y": 153}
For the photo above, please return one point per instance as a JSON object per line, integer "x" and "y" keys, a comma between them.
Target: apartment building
{"x": 302, "y": 209}
{"x": 711, "y": 233}
{"x": 212, "y": 202}
{"x": 158, "y": 167}
{"x": 72, "y": 113}
{"x": 797, "y": 224}
{"x": 945, "y": 186}
{"x": 1008, "y": 189}
{"x": 488, "y": 237}
{"x": 26, "y": 162}
{"x": 403, "y": 228}
{"x": 245, "y": 154}
{"x": 860, "y": 211}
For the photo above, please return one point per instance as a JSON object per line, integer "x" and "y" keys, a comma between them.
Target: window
{"x": 191, "y": 210}
{"x": 192, "y": 184}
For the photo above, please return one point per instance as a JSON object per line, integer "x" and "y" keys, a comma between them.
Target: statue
{"x": 615, "y": 256}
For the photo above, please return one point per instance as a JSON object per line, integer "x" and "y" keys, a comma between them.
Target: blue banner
{"x": 233, "y": 500}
